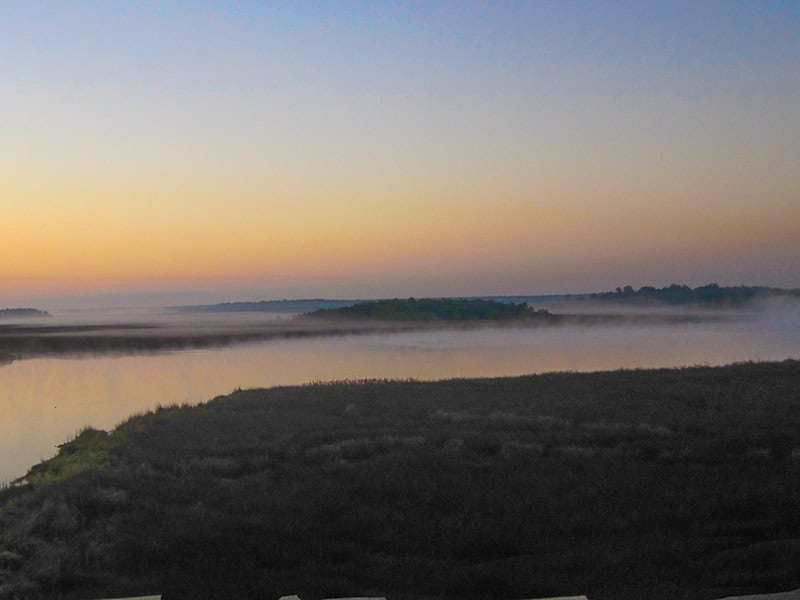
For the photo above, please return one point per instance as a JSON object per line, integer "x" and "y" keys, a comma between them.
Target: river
{"x": 45, "y": 401}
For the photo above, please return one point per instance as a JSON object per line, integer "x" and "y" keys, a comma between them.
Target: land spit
{"x": 19, "y": 341}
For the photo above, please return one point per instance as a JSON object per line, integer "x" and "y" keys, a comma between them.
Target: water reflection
{"x": 45, "y": 401}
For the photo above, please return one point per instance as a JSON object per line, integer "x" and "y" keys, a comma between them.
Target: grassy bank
{"x": 661, "y": 484}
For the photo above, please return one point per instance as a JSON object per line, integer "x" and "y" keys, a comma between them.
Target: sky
{"x": 248, "y": 150}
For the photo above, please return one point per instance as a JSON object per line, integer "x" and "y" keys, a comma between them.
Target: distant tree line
{"x": 710, "y": 294}
{"x": 23, "y": 312}
{"x": 433, "y": 309}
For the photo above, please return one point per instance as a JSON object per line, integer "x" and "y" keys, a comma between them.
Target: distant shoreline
{"x": 17, "y": 313}
{"x": 280, "y": 306}
{"x": 304, "y": 305}
{"x": 711, "y": 296}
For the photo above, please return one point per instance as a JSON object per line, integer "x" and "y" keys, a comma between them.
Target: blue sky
{"x": 436, "y": 147}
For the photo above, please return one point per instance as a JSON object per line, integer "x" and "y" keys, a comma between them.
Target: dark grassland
{"x": 660, "y": 484}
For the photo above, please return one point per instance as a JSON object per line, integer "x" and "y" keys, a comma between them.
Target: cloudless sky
{"x": 354, "y": 149}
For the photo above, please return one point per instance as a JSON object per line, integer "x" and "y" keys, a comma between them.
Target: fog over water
{"x": 46, "y": 400}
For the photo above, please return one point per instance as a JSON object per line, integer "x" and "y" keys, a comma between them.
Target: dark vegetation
{"x": 434, "y": 309}
{"x": 706, "y": 295}
{"x": 22, "y": 312}
{"x": 662, "y": 484}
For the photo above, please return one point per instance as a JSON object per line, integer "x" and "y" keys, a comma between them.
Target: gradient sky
{"x": 363, "y": 149}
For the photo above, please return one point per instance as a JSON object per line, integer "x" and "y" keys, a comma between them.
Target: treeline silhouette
{"x": 433, "y": 309}
{"x": 710, "y": 294}
{"x": 22, "y": 312}
{"x": 664, "y": 484}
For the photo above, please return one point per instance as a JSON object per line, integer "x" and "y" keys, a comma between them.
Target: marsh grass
{"x": 666, "y": 484}
{"x": 88, "y": 450}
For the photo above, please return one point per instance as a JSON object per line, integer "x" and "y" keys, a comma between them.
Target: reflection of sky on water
{"x": 45, "y": 401}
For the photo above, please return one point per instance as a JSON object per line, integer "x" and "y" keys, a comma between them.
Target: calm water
{"x": 46, "y": 401}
